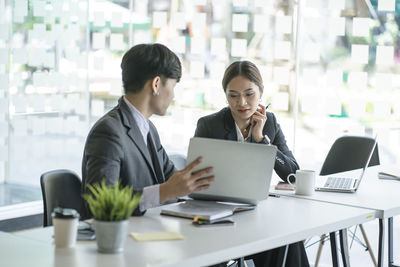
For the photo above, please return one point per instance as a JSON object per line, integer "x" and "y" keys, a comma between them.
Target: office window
{"x": 208, "y": 36}
{"x": 348, "y": 76}
{"x": 46, "y": 87}
{"x": 60, "y": 71}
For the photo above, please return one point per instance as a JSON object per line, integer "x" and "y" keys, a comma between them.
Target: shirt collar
{"x": 239, "y": 134}
{"x": 140, "y": 120}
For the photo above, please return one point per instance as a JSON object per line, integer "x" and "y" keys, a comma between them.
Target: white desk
{"x": 274, "y": 223}
{"x": 373, "y": 193}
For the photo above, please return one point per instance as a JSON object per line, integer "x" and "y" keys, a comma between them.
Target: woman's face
{"x": 243, "y": 97}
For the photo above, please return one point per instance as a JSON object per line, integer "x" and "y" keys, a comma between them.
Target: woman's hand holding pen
{"x": 258, "y": 121}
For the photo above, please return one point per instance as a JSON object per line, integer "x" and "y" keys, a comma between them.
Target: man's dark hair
{"x": 145, "y": 61}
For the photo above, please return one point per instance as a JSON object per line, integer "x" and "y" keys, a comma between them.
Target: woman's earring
{"x": 156, "y": 93}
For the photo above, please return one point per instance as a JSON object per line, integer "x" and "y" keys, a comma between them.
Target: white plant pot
{"x": 111, "y": 236}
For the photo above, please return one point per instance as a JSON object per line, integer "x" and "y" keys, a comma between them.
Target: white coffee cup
{"x": 305, "y": 182}
{"x": 65, "y": 223}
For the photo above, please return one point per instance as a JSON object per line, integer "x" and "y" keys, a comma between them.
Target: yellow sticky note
{"x": 359, "y": 54}
{"x": 240, "y": 22}
{"x": 156, "y": 236}
{"x": 361, "y": 27}
{"x": 386, "y": 5}
{"x": 384, "y": 55}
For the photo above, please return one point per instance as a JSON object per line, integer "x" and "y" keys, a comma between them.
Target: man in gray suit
{"x": 125, "y": 145}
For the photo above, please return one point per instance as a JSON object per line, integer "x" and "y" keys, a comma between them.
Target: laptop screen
{"x": 242, "y": 170}
{"x": 369, "y": 159}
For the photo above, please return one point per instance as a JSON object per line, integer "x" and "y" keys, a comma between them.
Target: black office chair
{"x": 349, "y": 153}
{"x": 60, "y": 188}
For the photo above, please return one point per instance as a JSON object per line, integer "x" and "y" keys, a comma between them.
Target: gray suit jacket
{"x": 221, "y": 125}
{"x": 115, "y": 149}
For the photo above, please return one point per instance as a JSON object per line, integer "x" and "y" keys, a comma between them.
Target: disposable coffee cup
{"x": 65, "y": 223}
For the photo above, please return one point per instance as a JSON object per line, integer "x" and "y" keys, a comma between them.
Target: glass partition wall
{"x": 329, "y": 68}
{"x": 348, "y": 76}
{"x": 44, "y": 86}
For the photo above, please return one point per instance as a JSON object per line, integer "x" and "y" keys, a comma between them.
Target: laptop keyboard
{"x": 338, "y": 182}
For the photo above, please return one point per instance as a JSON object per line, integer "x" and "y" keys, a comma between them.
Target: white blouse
{"x": 240, "y": 137}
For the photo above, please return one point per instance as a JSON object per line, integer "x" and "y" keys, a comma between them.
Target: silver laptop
{"x": 336, "y": 183}
{"x": 242, "y": 170}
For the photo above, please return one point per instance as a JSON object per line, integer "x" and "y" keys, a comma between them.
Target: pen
{"x": 198, "y": 218}
{"x": 273, "y": 195}
{"x": 267, "y": 106}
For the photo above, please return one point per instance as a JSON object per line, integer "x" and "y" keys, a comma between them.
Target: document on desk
{"x": 391, "y": 174}
{"x": 207, "y": 210}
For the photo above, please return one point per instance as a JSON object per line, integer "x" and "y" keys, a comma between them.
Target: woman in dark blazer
{"x": 246, "y": 120}
{"x": 221, "y": 125}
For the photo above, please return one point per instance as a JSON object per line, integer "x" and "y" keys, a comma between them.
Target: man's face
{"x": 161, "y": 102}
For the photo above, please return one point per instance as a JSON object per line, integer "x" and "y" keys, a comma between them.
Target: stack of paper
{"x": 391, "y": 174}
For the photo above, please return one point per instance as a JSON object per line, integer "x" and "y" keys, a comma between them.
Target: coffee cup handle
{"x": 288, "y": 178}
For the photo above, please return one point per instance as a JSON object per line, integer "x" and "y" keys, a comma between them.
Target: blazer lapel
{"x": 229, "y": 126}
{"x": 134, "y": 133}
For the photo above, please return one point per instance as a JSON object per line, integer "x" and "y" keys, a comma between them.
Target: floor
{"x": 359, "y": 256}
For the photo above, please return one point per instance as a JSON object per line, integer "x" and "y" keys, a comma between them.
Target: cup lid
{"x": 64, "y": 213}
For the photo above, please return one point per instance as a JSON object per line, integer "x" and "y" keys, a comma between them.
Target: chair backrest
{"x": 179, "y": 160}
{"x": 60, "y": 188}
{"x": 349, "y": 153}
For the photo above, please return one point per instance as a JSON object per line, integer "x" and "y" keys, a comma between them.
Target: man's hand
{"x": 186, "y": 181}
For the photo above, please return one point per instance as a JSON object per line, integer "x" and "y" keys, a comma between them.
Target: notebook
{"x": 242, "y": 171}
{"x": 207, "y": 210}
{"x": 390, "y": 174}
{"x": 335, "y": 183}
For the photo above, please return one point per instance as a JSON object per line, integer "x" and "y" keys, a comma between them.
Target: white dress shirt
{"x": 151, "y": 194}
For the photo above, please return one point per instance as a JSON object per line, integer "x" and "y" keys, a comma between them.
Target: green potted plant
{"x": 111, "y": 207}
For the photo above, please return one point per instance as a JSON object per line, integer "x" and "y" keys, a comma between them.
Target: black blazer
{"x": 221, "y": 125}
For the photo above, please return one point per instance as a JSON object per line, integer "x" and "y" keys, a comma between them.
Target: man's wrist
{"x": 164, "y": 193}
